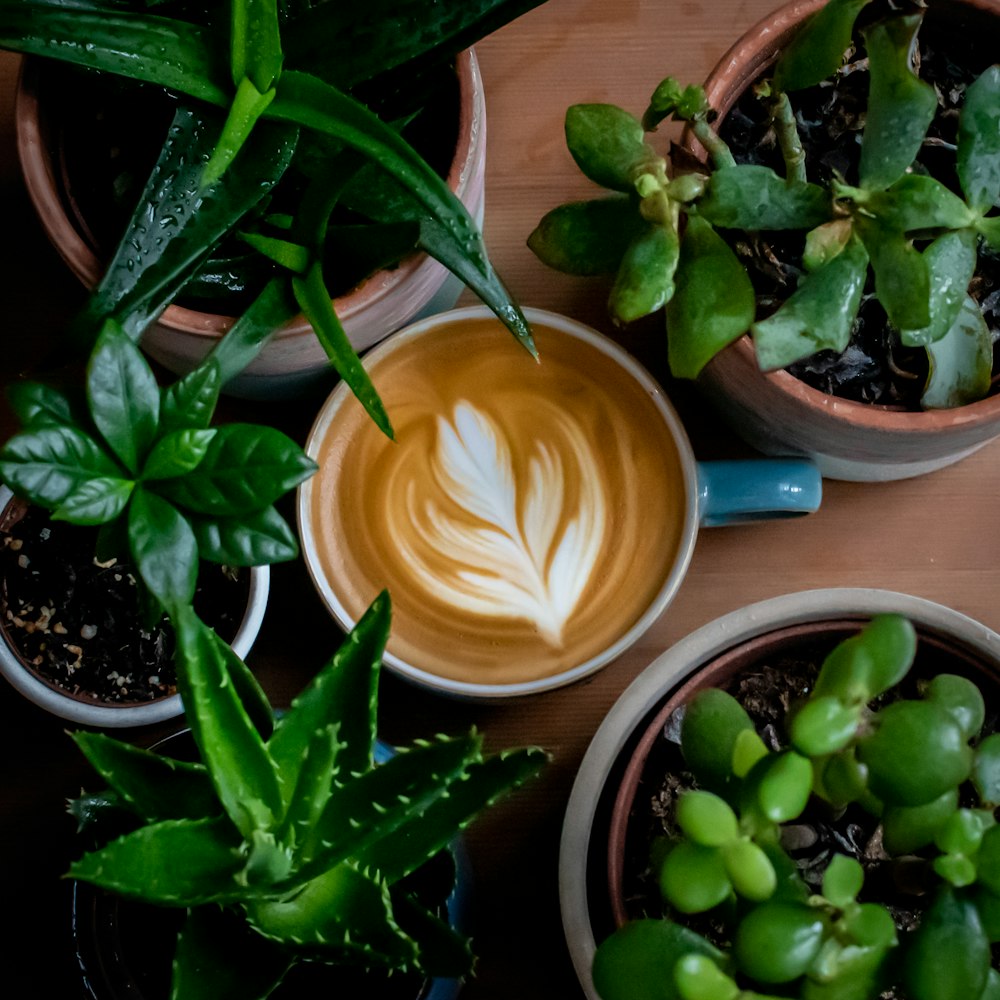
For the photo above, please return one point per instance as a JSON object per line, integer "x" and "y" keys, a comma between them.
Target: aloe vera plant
{"x": 285, "y": 842}
{"x": 894, "y": 232}
{"x": 282, "y": 102}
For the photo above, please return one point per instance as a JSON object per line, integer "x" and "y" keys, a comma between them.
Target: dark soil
{"x": 876, "y": 367}
{"x": 77, "y": 622}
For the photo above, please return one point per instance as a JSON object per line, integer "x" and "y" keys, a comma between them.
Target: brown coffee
{"x": 526, "y": 516}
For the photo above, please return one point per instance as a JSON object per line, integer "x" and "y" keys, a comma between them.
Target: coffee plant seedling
{"x": 920, "y": 765}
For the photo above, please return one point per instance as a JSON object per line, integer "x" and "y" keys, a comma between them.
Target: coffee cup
{"x": 531, "y": 519}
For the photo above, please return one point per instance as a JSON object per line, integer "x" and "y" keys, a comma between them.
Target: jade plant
{"x": 890, "y": 230}
{"x": 284, "y": 113}
{"x": 167, "y": 489}
{"x": 285, "y": 841}
{"x": 912, "y": 755}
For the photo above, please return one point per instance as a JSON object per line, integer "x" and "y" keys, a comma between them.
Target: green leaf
{"x": 986, "y": 769}
{"x": 257, "y": 539}
{"x": 713, "y": 302}
{"x": 900, "y": 104}
{"x": 989, "y": 229}
{"x": 889, "y": 642}
{"x": 38, "y": 405}
{"x": 248, "y": 105}
{"x": 902, "y": 276}
{"x": 951, "y": 262}
{"x": 190, "y": 402}
{"x": 587, "y": 237}
{"x": 819, "y": 315}
{"x": 753, "y": 197}
{"x": 255, "y": 47}
{"x": 177, "y": 453}
{"x": 163, "y": 548}
{"x": 978, "y": 155}
{"x": 123, "y": 396}
{"x": 443, "y": 950}
{"x": 918, "y": 202}
{"x": 289, "y": 255}
{"x": 817, "y": 50}
{"x": 96, "y": 501}
{"x": 608, "y": 145}
{"x": 961, "y": 361}
{"x": 645, "y": 280}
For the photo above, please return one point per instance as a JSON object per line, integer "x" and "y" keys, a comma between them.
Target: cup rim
{"x": 672, "y": 580}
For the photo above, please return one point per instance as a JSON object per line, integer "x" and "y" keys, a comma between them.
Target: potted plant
{"x": 143, "y": 493}
{"x": 297, "y": 848}
{"x": 855, "y": 275}
{"x": 286, "y": 87}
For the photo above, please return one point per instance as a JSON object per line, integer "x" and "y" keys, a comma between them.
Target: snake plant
{"x": 287, "y": 830}
{"x": 277, "y": 104}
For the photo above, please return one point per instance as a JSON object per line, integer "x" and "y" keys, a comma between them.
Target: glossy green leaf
{"x": 608, "y": 145}
{"x": 189, "y": 402}
{"x": 842, "y": 880}
{"x": 819, "y": 314}
{"x": 780, "y": 785}
{"x": 900, "y": 104}
{"x": 753, "y": 197}
{"x": 712, "y": 721}
{"x": 750, "y": 870}
{"x": 713, "y": 302}
{"x": 670, "y": 97}
{"x": 776, "y": 942}
{"x": 986, "y": 769}
{"x": 706, "y": 819}
{"x": 292, "y": 256}
{"x": 693, "y": 878}
{"x": 961, "y": 362}
{"x": 989, "y": 229}
{"x": 961, "y": 699}
{"x": 249, "y": 104}
{"x": 824, "y": 725}
{"x": 902, "y": 276}
{"x": 951, "y": 262}
{"x": 890, "y": 642}
{"x": 825, "y": 242}
{"x": 255, "y": 43}
{"x": 163, "y": 547}
{"x": 258, "y": 539}
{"x": 177, "y": 453}
{"x": 645, "y": 280}
{"x": 817, "y": 50}
{"x": 96, "y": 501}
{"x": 917, "y": 202}
{"x": 38, "y": 405}
{"x": 978, "y": 153}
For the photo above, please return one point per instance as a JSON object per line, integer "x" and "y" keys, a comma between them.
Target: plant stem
{"x": 788, "y": 138}
{"x": 716, "y": 147}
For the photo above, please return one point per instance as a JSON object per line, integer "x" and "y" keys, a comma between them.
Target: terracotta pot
{"x": 776, "y": 412}
{"x": 293, "y": 360}
{"x": 596, "y": 824}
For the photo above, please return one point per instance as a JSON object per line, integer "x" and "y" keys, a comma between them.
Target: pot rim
{"x": 583, "y": 848}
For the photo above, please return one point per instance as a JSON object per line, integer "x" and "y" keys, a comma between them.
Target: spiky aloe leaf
{"x": 312, "y": 790}
{"x": 444, "y": 951}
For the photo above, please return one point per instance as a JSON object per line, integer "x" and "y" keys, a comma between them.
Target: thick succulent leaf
{"x": 989, "y": 229}
{"x": 177, "y": 453}
{"x": 917, "y": 202}
{"x": 38, "y": 405}
{"x": 258, "y": 539}
{"x": 713, "y": 302}
{"x": 902, "y": 276}
{"x": 96, "y": 501}
{"x": 344, "y": 692}
{"x": 951, "y": 261}
{"x": 154, "y": 786}
{"x": 818, "y": 315}
{"x": 645, "y": 279}
{"x": 900, "y": 104}
{"x": 239, "y": 765}
{"x": 961, "y": 361}
{"x": 817, "y": 50}
{"x": 587, "y": 237}
{"x": 163, "y": 548}
{"x": 190, "y": 402}
{"x": 608, "y": 145}
{"x": 752, "y": 197}
{"x": 246, "y": 468}
{"x": 147, "y": 864}
{"x": 312, "y": 791}
{"x": 443, "y": 951}
{"x": 47, "y": 464}
{"x": 255, "y": 42}
{"x": 123, "y": 396}
{"x": 978, "y": 154}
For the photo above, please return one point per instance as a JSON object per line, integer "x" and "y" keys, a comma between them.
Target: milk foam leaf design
{"x": 518, "y": 562}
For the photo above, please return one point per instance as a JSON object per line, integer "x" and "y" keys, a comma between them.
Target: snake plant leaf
{"x": 713, "y": 302}
{"x": 900, "y": 104}
{"x": 38, "y": 405}
{"x": 123, "y": 395}
{"x": 95, "y": 502}
{"x": 246, "y": 467}
{"x": 261, "y": 538}
{"x": 154, "y": 786}
{"x": 247, "y": 107}
{"x": 951, "y": 261}
{"x": 961, "y": 361}
{"x": 587, "y": 237}
{"x": 978, "y": 147}
{"x": 146, "y": 863}
{"x": 753, "y": 197}
{"x": 47, "y": 464}
{"x": 918, "y": 202}
{"x": 608, "y": 145}
{"x": 818, "y": 315}
{"x": 230, "y": 744}
{"x": 177, "y": 453}
{"x": 255, "y": 43}
{"x": 163, "y": 547}
{"x": 645, "y": 279}
{"x": 190, "y": 402}
{"x": 902, "y": 276}
{"x": 817, "y": 50}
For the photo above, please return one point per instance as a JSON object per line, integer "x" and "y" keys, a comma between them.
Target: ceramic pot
{"x": 596, "y": 824}
{"x": 779, "y": 414}
{"x": 293, "y": 360}
{"x": 86, "y": 711}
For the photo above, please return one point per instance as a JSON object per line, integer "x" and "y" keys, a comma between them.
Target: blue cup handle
{"x": 737, "y": 492}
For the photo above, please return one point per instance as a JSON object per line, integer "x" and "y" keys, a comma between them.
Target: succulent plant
{"x": 920, "y": 765}
{"x": 285, "y": 842}
{"x": 897, "y": 233}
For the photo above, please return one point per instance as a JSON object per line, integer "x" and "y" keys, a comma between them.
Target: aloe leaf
{"x": 900, "y": 104}
{"x": 961, "y": 361}
{"x": 818, "y": 315}
{"x": 247, "y": 107}
{"x": 257, "y": 539}
{"x": 242, "y": 772}
{"x": 951, "y": 261}
{"x": 917, "y": 202}
{"x": 902, "y": 276}
{"x": 817, "y": 50}
{"x": 444, "y": 951}
{"x": 645, "y": 279}
{"x": 713, "y": 302}
{"x": 978, "y": 154}
{"x": 255, "y": 43}
{"x": 38, "y": 405}
{"x": 753, "y": 197}
{"x": 177, "y": 453}
{"x": 146, "y": 864}
{"x": 163, "y": 547}
{"x": 312, "y": 791}
{"x": 123, "y": 395}
{"x": 155, "y": 786}
{"x": 96, "y": 501}
{"x": 608, "y": 144}
{"x": 189, "y": 402}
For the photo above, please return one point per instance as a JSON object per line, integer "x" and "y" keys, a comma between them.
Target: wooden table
{"x": 935, "y": 537}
